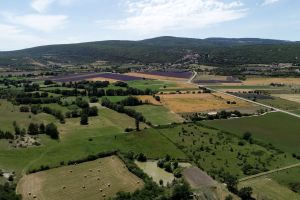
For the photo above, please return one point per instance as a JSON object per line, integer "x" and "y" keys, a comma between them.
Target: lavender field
{"x": 85, "y": 76}
{"x": 170, "y": 74}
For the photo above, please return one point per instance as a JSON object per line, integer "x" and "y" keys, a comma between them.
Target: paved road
{"x": 269, "y": 172}
{"x": 244, "y": 99}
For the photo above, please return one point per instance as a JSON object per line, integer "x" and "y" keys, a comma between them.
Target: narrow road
{"x": 269, "y": 172}
{"x": 241, "y": 98}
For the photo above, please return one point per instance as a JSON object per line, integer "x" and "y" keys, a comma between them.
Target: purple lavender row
{"x": 85, "y": 76}
{"x": 170, "y": 74}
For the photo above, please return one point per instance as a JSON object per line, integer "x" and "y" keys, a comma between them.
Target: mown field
{"x": 279, "y": 129}
{"x": 185, "y": 103}
{"x": 99, "y": 179}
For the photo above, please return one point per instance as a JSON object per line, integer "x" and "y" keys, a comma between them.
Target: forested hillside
{"x": 217, "y": 51}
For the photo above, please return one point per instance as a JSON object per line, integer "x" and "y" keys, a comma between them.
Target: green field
{"x": 280, "y": 103}
{"x": 11, "y": 113}
{"x": 265, "y": 188}
{"x": 99, "y": 179}
{"x": 104, "y": 133}
{"x": 115, "y": 99}
{"x": 157, "y": 115}
{"x": 288, "y": 178}
{"x": 279, "y": 129}
{"x": 217, "y": 152}
{"x": 150, "y": 84}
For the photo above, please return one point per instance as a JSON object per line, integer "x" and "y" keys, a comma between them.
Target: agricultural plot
{"x": 279, "y": 129}
{"x": 184, "y": 75}
{"x": 103, "y": 133}
{"x": 217, "y": 152}
{"x": 268, "y": 81}
{"x": 280, "y": 103}
{"x": 87, "y": 76}
{"x": 99, "y": 179}
{"x": 156, "y": 77}
{"x": 151, "y": 84}
{"x": 187, "y": 103}
{"x": 267, "y": 188}
{"x": 289, "y": 97}
{"x": 213, "y": 79}
{"x": 158, "y": 115}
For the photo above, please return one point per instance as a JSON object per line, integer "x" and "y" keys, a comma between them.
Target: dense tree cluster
{"x": 7, "y": 192}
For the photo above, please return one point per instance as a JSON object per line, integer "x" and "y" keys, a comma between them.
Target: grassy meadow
{"x": 279, "y": 129}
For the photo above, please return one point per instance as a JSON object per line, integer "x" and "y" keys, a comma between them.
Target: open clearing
{"x": 82, "y": 181}
{"x": 186, "y": 103}
{"x": 280, "y": 129}
{"x": 280, "y": 103}
{"x": 265, "y": 188}
{"x": 158, "y": 115}
{"x": 156, "y": 173}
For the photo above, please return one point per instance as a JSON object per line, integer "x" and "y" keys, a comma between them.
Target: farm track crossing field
{"x": 90, "y": 180}
{"x": 280, "y": 129}
{"x": 267, "y": 188}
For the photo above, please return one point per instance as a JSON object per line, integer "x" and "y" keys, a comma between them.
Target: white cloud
{"x": 46, "y": 23}
{"x": 43, "y": 5}
{"x": 269, "y": 2}
{"x": 159, "y": 16}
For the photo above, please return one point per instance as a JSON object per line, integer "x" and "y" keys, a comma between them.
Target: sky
{"x": 29, "y": 23}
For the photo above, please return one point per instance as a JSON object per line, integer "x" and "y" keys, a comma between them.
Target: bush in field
{"x": 94, "y": 99}
{"x": 52, "y": 131}
{"x": 141, "y": 157}
{"x": 84, "y": 120}
{"x": 24, "y": 109}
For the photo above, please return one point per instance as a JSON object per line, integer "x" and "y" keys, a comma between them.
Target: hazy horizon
{"x": 33, "y": 23}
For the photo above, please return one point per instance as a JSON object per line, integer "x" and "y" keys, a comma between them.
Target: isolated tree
{"x": 42, "y": 128}
{"x": 17, "y": 128}
{"x": 137, "y": 124}
{"x": 247, "y": 136}
{"x": 52, "y": 131}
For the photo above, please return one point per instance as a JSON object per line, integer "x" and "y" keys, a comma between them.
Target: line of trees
{"x": 121, "y": 109}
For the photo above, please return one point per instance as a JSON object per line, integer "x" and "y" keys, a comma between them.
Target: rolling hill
{"x": 217, "y": 51}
